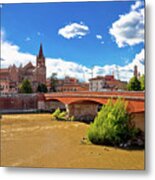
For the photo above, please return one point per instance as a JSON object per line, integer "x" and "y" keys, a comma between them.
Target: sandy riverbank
{"x": 37, "y": 141}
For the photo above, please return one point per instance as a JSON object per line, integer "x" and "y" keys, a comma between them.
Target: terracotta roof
{"x": 97, "y": 78}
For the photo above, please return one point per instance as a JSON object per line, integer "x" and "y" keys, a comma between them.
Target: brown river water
{"x": 34, "y": 140}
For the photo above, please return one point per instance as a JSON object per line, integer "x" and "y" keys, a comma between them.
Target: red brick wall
{"x": 18, "y": 102}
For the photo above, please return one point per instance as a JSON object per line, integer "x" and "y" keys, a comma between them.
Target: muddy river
{"x": 34, "y": 140}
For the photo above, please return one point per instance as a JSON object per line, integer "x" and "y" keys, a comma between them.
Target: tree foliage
{"x": 53, "y": 82}
{"x": 26, "y": 87}
{"x": 142, "y": 82}
{"x": 134, "y": 84}
{"x": 42, "y": 88}
{"x": 112, "y": 125}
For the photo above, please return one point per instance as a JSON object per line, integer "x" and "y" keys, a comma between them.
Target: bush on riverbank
{"x": 112, "y": 126}
{"x": 58, "y": 115}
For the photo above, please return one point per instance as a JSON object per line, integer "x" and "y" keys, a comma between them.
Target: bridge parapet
{"x": 134, "y": 99}
{"x": 122, "y": 93}
{"x": 125, "y": 95}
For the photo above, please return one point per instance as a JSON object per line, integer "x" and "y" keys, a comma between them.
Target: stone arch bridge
{"x": 85, "y": 104}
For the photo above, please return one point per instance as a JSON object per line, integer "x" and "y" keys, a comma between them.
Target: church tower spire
{"x": 40, "y": 57}
{"x": 40, "y": 67}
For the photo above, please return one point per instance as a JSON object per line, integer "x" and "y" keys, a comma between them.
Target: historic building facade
{"x": 105, "y": 83}
{"x": 12, "y": 77}
{"x": 68, "y": 84}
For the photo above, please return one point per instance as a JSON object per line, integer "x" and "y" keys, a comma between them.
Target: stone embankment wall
{"x": 139, "y": 120}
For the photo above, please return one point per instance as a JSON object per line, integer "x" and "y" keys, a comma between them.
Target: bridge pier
{"x": 84, "y": 111}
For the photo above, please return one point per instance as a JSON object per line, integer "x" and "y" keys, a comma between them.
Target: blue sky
{"x": 81, "y": 32}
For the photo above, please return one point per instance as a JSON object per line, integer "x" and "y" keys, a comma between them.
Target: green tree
{"x": 142, "y": 82}
{"x": 26, "y": 87}
{"x": 112, "y": 125}
{"x": 42, "y": 88}
{"x": 134, "y": 84}
{"x": 54, "y": 82}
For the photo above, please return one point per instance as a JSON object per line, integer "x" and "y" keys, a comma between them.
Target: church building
{"x": 12, "y": 77}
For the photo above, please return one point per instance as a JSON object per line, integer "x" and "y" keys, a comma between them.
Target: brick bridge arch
{"x": 135, "y": 99}
{"x": 85, "y": 104}
{"x": 70, "y": 101}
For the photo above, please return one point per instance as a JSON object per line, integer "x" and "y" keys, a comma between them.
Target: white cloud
{"x": 12, "y": 55}
{"x": 2, "y": 35}
{"x": 64, "y": 68}
{"x": 74, "y": 30}
{"x": 122, "y": 72}
{"x": 137, "y": 5}
{"x": 129, "y": 28}
{"x": 27, "y": 39}
{"x": 80, "y": 37}
{"x": 139, "y": 60}
{"x": 98, "y": 36}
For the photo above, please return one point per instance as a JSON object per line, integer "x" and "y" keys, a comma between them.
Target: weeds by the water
{"x": 63, "y": 116}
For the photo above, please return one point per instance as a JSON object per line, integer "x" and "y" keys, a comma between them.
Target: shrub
{"x": 134, "y": 84}
{"x": 42, "y": 88}
{"x": 25, "y": 87}
{"x": 59, "y": 115}
{"x": 72, "y": 118}
{"x": 56, "y": 113}
{"x": 142, "y": 82}
{"x": 62, "y": 115}
{"x": 112, "y": 125}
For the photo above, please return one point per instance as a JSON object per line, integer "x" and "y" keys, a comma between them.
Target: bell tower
{"x": 40, "y": 67}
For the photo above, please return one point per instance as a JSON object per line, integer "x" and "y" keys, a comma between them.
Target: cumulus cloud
{"x": 73, "y": 30}
{"x": 137, "y": 5}
{"x": 12, "y": 55}
{"x": 129, "y": 28}
{"x": 98, "y": 36}
{"x": 67, "y": 68}
{"x": 122, "y": 72}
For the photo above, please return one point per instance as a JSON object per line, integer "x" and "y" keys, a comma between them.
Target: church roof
{"x": 28, "y": 65}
